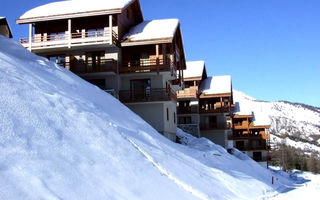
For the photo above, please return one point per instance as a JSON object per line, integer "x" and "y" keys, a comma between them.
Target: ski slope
{"x": 63, "y": 138}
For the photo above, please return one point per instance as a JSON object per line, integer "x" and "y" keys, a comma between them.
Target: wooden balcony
{"x": 253, "y": 148}
{"x": 246, "y": 137}
{"x": 67, "y": 40}
{"x": 242, "y": 125}
{"x": 191, "y": 92}
{"x": 215, "y": 126}
{"x": 147, "y": 95}
{"x": 83, "y": 67}
{"x": 187, "y": 110}
{"x": 217, "y": 109}
{"x": 148, "y": 65}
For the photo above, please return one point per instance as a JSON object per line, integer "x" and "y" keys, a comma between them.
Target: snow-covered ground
{"x": 307, "y": 186}
{"x": 63, "y": 138}
{"x": 285, "y": 118}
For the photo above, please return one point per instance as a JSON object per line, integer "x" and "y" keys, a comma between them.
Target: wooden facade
{"x": 249, "y": 137}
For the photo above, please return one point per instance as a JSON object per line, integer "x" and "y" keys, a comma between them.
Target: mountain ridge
{"x": 297, "y": 122}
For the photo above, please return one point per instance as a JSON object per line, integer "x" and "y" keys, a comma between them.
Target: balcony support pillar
{"x": 110, "y": 30}
{"x": 164, "y": 54}
{"x": 157, "y": 54}
{"x": 69, "y": 33}
{"x": 30, "y": 36}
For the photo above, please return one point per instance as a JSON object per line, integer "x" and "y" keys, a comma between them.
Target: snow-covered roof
{"x": 151, "y": 30}
{"x": 216, "y": 85}
{"x": 246, "y": 105}
{"x": 74, "y": 6}
{"x": 194, "y": 69}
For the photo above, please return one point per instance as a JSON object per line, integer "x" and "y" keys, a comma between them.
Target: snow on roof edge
{"x": 194, "y": 67}
{"x": 73, "y": 7}
{"x": 216, "y": 85}
{"x": 152, "y": 30}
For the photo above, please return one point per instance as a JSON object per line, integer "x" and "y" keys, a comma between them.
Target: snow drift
{"x": 63, "y": 138}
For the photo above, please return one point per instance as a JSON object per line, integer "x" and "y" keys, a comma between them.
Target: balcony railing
{"x": 190, "y": 92}
{"x": 242, "y": 125}
{"x": 148, "y": 65}
{"x": 252, "y": 148}
{"x": 246, "y": 136}
{"x": 65, "y": 40}
{"x": 217, "y": 108}
{"x": 213, "y": 126}
{"x": 154, "y": 94}
{"x": 187, "y": 110}
{"x": 82, "y": 67}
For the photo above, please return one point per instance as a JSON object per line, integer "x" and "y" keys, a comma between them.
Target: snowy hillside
{"x": 299, "y": 123}
{"x": 63, "y": 138}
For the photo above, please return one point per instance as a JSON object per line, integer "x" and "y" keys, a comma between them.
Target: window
{"x": 98, "y": 82}
{"x": 240, "y": 145}
{"x": 94, "y": 61}
{"x": 57, "y": 36}
{"x": 59, "y": 59}
{"x": 208, "y": 122}
{"x": 184, "y": 120}
{"x": 95, "y": 32}
{"x": 257, "y": 156}
{"x": 167, "y": 114}
{"x": 145, "y": 59}
{"x": 140, "y": 89}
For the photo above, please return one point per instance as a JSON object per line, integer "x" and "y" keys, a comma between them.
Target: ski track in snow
{"x": 163, "y": 171}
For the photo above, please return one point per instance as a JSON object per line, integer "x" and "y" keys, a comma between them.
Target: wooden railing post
{"x": 110, "y": 30}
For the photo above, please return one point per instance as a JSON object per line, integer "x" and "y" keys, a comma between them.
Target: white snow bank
{"x": 63, "y": 138}
{"x": 194, "y": 69}
{"x": 153, "y": 29}
{"x": 74, "y": 6}
{"x": 216, "y": 85}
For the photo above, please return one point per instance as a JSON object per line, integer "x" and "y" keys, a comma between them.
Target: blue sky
{"x": 271, "y": 48}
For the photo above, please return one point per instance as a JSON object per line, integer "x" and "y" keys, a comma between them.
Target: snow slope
{"x": 300, "y": 122}
{"x": 63, "y": 138}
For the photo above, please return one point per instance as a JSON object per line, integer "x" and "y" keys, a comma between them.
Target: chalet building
{"x": 109, "y": 44}
{"x": 205, "y": 104}
{"x": 5, "y": 28}
{"x": 254, "y": 140}
{"x": 188, "y": 98}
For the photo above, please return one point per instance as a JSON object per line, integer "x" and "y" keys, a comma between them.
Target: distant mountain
{"x": 295, "y": 123}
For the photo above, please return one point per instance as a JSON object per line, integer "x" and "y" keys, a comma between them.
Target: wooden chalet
{"x": 110, "y": 45}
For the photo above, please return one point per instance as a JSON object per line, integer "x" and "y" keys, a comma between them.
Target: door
{"x": 95, "y": 61}
{"x": 140, "y": 89}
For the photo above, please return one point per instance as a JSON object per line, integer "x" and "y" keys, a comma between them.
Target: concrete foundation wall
{"x": 216, "y": 136}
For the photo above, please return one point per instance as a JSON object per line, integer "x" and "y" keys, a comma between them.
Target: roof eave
{"x": 204, "y": 95}
{"x": 68, "y": 16}
{"x": 146, "y": 42}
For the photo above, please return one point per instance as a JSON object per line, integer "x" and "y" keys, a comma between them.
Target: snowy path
{"x": 308, "y": 189}
{"x": 162, "y": 170}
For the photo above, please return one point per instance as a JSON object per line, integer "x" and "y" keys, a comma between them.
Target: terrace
{"x": 147, "y": 95}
